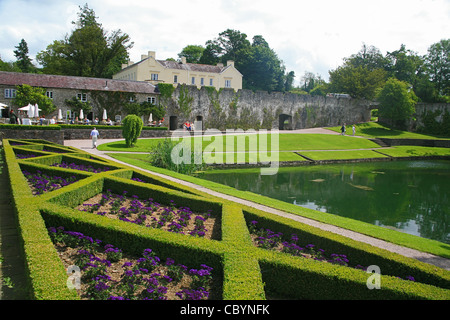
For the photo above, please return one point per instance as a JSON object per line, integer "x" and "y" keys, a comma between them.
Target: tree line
{"x": 90, "y": 51}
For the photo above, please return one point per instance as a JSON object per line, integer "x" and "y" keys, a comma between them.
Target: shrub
{"x": 161, "y": 156}
{"x": 131, "y": 129}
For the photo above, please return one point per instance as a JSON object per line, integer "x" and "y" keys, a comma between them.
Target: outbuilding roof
{"x": 72, "y": 82}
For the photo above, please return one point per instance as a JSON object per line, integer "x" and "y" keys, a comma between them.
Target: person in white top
{"x": 94, "y": 136}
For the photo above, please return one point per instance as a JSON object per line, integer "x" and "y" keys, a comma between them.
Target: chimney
{"x": 220, "y": 65}
{"x": 230, "y": 63}
{"x": 152, "y": 54}
{"x": 183, "y": 60}
{"x": 144, "y": 56}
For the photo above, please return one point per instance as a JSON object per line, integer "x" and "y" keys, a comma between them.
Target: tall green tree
{"x": 88, "y": 51}
{"x": 361, "y": 74}
{"x": 259, "y": 64}
{"x": 8, "y": 66}
{"x": 404, "y": 65}
{"x": 397, "y": 102}
{"x": 261, "y": 67}
{"x": 23, "y": 60}
{"x": 358, "y": 82}
{"x": 27, "y": 94}
{"x": 368, "y": 57}
{"x": 438, "y": 65}
{"x": 192, "y": 53}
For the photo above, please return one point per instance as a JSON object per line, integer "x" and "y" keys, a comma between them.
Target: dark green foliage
{"x": 131, "y": 129}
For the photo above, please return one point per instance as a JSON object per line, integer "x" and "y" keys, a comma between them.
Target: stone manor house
{"x": 165, "y": 71}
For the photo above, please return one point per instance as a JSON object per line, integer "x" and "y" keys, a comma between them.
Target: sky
{"x": 308, "y": 36}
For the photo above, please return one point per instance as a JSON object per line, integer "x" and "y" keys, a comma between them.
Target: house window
{"x": 175, "y": 79}
{"x": 202, "y": 81}
{"x": 152, "y": 100}
{"x": 82, "y": 97}
{"x": 154, "y": 76}
{"x": 49, "y": 94}
{"x": 211, "y": 82}
{"x": 193, "y": 80}
{"x": 10, "y": 93}
{"x": 131, "y": 99}
{"x": 227, "y": 83}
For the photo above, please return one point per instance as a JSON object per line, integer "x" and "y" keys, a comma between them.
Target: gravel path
{"x": 422, "y": 256}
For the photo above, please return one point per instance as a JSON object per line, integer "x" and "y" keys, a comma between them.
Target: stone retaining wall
{"x": 416, "y": 142}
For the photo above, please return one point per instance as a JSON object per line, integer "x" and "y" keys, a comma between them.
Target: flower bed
{"x": 109, "y": 274}
{"x": 82, "y": 167}
{"x": 41, "y": 183}
{"x": 25, "y": 156}
{"x": 268, "y": 239}
{"x": 151, "y": 214}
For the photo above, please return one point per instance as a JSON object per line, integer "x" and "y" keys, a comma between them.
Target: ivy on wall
{"x": 432, "y": 126}
{"x": 185, "y": 101}
{"x": 112, "y": 101}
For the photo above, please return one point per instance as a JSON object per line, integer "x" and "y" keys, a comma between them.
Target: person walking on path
{"x": 343, "y": 129}
{"x": 354, "y": 129}
{"x": 94, "y": 136}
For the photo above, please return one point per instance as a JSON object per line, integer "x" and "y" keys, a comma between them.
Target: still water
{"x": 409, "y": 196}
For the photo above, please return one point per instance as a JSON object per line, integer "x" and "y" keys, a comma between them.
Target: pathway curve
{"x": 412, "y": 253}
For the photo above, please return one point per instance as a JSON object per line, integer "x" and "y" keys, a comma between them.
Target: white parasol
{"x": 2, "y": 105}
{"x": 36, "y": 110}
{"x": 81, "y": 114}
{"x": 150, "y": 119}
{"x": 59, "y": 115}
{"x": 104, "y": 114}
{"x": 30, "y": 111}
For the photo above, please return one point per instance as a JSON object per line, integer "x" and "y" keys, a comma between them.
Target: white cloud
{"x": 309, "y": 36}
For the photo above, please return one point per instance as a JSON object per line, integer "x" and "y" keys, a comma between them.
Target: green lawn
{"x": 415, "y": 151}
{"x": 376, "y": 130}
{"x": 286, "y": 141}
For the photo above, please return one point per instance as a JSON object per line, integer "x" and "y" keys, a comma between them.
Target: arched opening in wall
{"x": 173, "y": 123}
{"x": 285, "y": 122}
{"x": 198, "y": 124}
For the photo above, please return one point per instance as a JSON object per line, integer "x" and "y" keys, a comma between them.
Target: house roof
{"x": 71, "y": 82}
{"x": 191, "y": 66}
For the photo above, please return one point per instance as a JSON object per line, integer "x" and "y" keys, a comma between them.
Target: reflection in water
{"x": 410, "y": 196}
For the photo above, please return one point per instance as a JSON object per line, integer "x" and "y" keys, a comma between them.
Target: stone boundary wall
{"x": 75, "y": 134}
{"x": 421, "y": 108}
{"x": 245, "y": 109}
{"x": 416, "y": 142}
{"x": 56, "y": 136}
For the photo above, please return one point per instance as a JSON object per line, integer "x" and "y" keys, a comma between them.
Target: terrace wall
{"x": 58, "y": 136}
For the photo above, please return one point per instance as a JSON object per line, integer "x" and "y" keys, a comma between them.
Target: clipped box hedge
{"x": 245, "y": 271}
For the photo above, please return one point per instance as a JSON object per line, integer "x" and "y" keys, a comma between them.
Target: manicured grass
{"x": 415, "y": 151}
{"x": 287, "y": 142}
{"x": 376, "y": 130}
{"x": 279, "y": 156}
